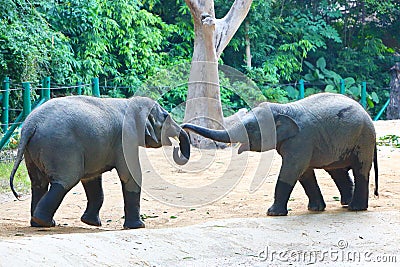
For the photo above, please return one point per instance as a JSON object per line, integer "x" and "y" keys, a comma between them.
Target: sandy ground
{"x": 230, "y": 225}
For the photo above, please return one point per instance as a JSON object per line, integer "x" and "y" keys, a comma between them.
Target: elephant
{"x": 77, "y": 138}
{"x": 231, "y": 120}
{"x": 323, "y": 131}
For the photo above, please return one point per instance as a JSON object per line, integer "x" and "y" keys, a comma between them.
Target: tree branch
{"x": 192, "y": 3}
{"x": 228, "y": 25}
{"x": 198, "y": 7}
{"x": 193, "y": 6}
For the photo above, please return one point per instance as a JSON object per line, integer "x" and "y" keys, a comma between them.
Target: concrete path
{"x": 345, "y": 239}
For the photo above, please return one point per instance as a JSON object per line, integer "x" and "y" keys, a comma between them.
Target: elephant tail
{"x": 25, "y": 137}
{"x": 376, "y": 171}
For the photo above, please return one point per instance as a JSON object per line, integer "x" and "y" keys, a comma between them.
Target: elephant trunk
{"x": 216, "y": 135}
{"x": 184, "y": 147}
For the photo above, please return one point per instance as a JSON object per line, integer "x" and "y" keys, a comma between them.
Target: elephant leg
{"x": 131, "y": 188}
{"x": 47, "y": 206}
{"x": 39, "y": 185}
{"x": 37, "y": 194}
{"x": 293, "y": 167}
{"x": 95, "y": 197}
{"x": 361, "y": 190}
{"x": 281, "y": 198}
{"x": 132, "y": 206}
{"x": 344, "y": 184}
{"x": 315, "y": 199}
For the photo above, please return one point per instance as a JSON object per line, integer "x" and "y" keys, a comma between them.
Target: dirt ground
{"x": 238, "y": 203}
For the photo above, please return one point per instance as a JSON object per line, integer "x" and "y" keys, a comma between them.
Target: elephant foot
{"x": 275, "y": 210}
{"x": 357, "y": 207}
{"x": 345, "y": 201}
{"x": 134, "y": 224}
{"x": 37, "y": 222}
{"x": 132, "y": 209}
{"x": 91, "y": 220}
{"x": 47, "y": 206}
{"x": 95, "y": 196}
{"x": 316, "y": 206}
{"x": 282, "y": 194}
{"x": 358, "y": 203}
{"x": 346, "y": 198}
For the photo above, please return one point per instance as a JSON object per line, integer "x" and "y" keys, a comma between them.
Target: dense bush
{"x": 128, "y": 42}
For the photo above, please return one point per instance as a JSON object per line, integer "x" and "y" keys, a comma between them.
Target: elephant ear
{"x": 286, "y": 128}
{"x": 150, "y": 128}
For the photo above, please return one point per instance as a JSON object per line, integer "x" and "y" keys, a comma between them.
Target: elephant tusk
{"x": 176, "y": 138}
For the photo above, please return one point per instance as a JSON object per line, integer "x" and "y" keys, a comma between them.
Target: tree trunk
{"x": 393, "y": 110}
{"x": 248, "y": 52}
{"x": 203, "y": 103}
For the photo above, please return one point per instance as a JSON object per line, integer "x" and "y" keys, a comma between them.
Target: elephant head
{"x": 259, "y": 130}
{"x": 159, "y": 127}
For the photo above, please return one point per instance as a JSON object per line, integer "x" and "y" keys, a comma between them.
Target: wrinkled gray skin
{"x": 77, "y": 138}
{"x": 231, "y": 120}
{"x": 324, "y": 131}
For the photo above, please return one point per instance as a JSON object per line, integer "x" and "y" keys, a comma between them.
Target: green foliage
{"x": 21, "y": 179}
{"x": 319, "y": 75}
{"x": 230, "y": 100}
{"x": 178, "y": 43}
{"x": 389, "y": 140}
{"x": 357, "y": 40}
{"x": 29, "y": 46}
{"x": 76, "y": 40}
{"x": 282, "y": 37}
{"x": 112, "y": 38}
{"x": 305, "y": 33}
{"x": 265, "y": 79}
{"x": 14, "y": 141}
{"x": 169, "y": 88}
{"x": 322, "y": 79}
{"x": 128, "y": 41}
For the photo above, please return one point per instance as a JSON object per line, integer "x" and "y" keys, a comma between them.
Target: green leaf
{"x": 355, "y": 91}
{"x": 331, "y": 74}
{"x": 330, "y": 89}
{"x": 370, "y": 102}
{"x": 310, "y": 91}
{"x": 309, "y": 77}
{"x": 349, "y": 81}
{"x": 309, "y": 65}
{"x": 321, "y": 63}
{"x": 375, "y": 97}
{"x": 292, "y": 92}
{"x": 318, "y": 75}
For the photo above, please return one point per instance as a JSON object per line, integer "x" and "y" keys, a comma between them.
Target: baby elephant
{"x": 77, "y": 138}
{"x": 324, "y": 131}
